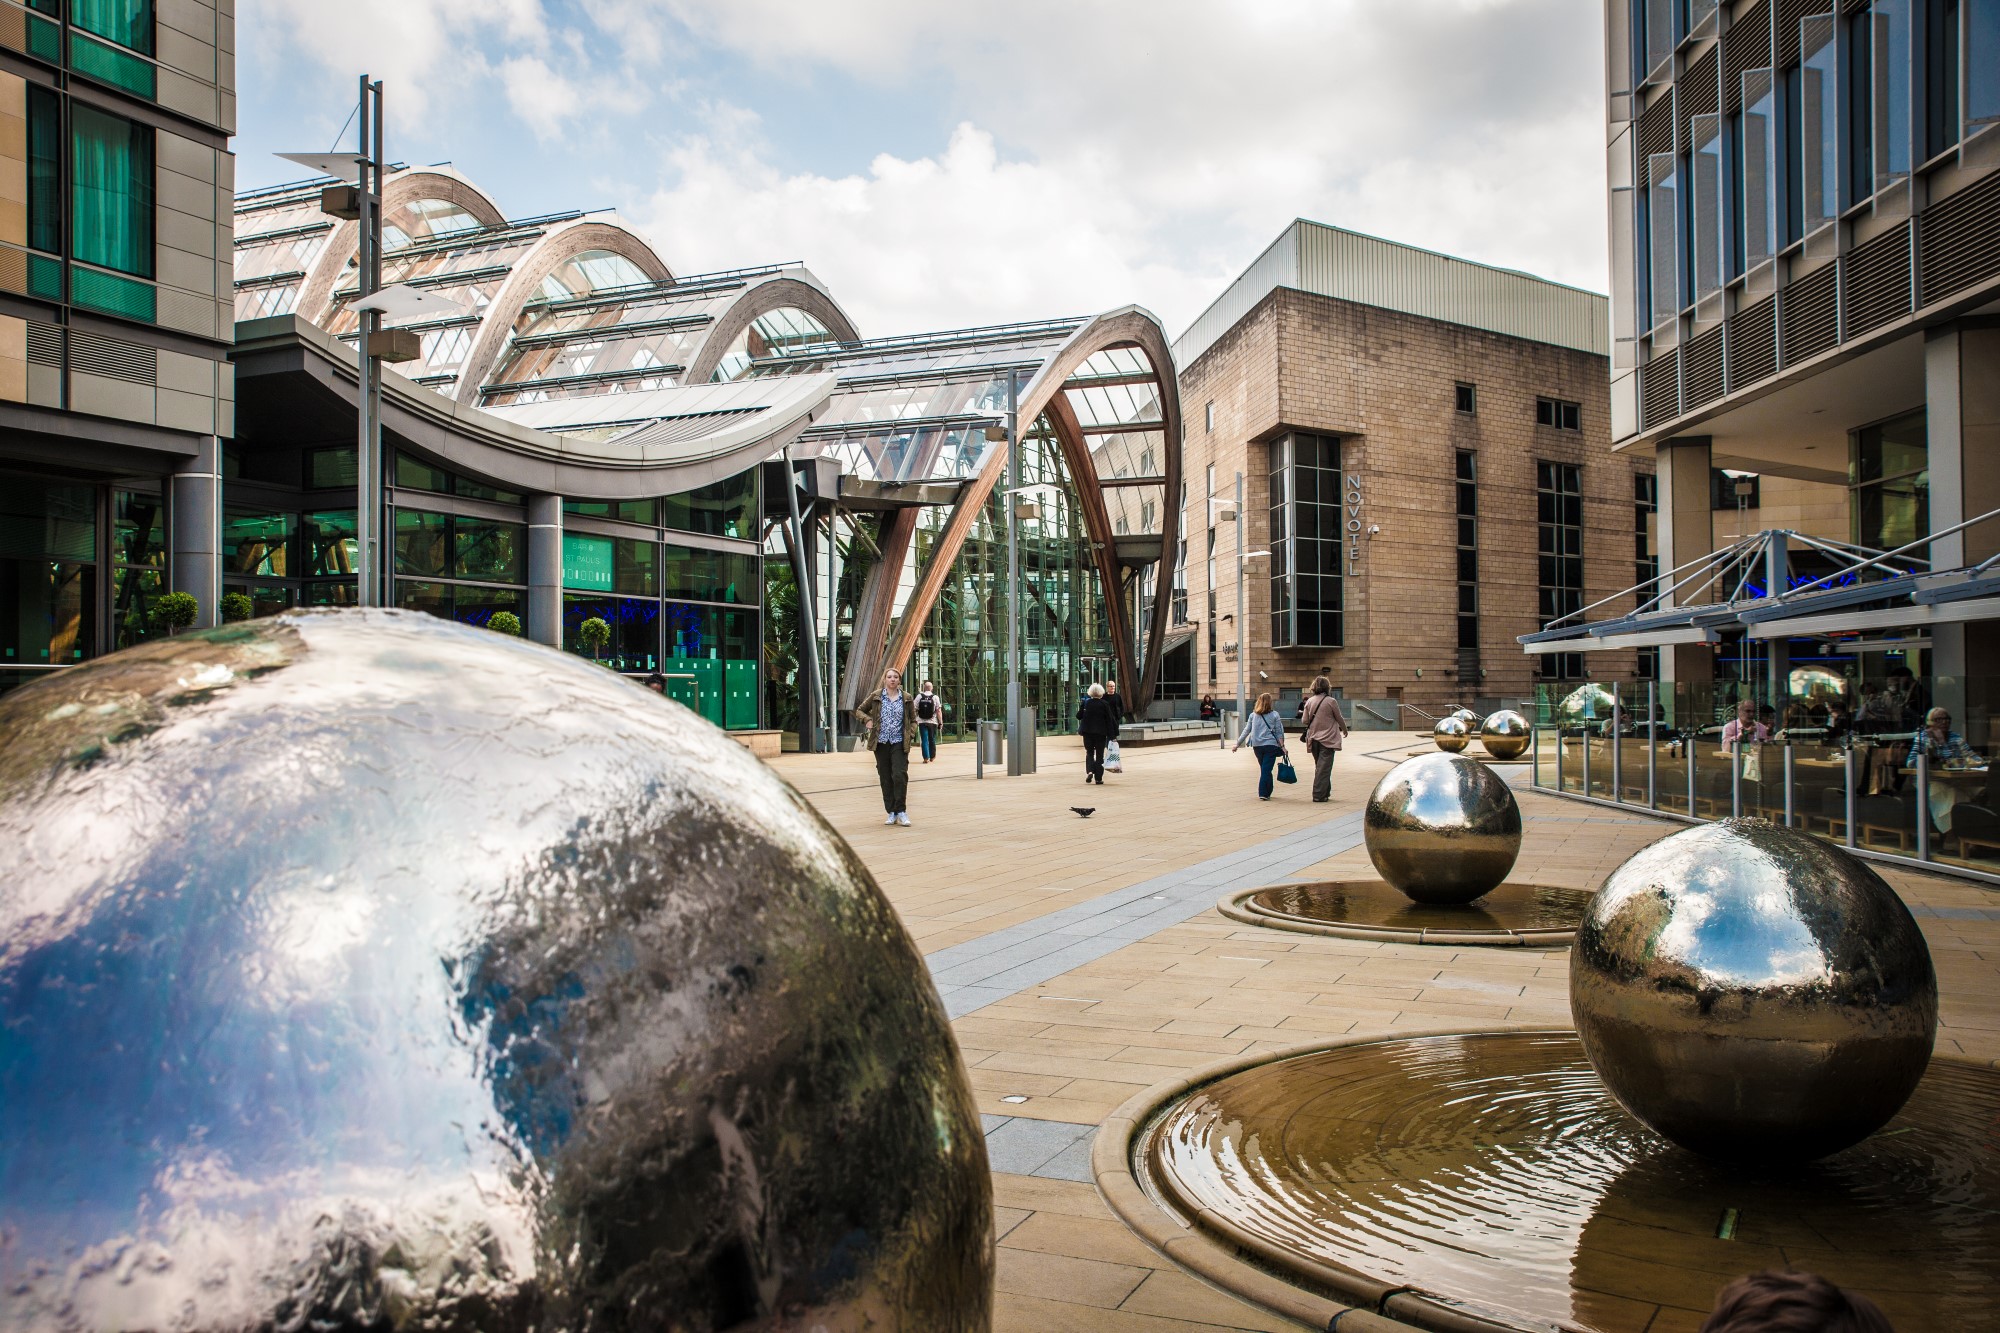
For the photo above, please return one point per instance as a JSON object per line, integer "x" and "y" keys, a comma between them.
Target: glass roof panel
{"x": 1134, "y": 510}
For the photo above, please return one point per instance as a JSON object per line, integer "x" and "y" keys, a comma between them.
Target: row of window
{"x": 1558, "y": 413}
{"x": 1306, "y": 544}
{"x": 1559, "y": 555}
{"x": 1468, "y": 549}
{"x": 1896, "y": 82}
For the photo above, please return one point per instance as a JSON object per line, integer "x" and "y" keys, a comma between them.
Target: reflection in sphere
{"x": 1505, "y": 734}
{"x": 365, "y": 970}
{"x": 1442, "y": 828}
{"x": 1451, "y": 734}
{"x": 1750, "y": 991}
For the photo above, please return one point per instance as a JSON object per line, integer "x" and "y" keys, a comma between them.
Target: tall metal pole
{"x": 1015, "y": 740}
{"x": 832, "y": 631}
{"x": 1242, "y": 618}
{"x": 368, "y": 515}
{"x": 808, "y": 685}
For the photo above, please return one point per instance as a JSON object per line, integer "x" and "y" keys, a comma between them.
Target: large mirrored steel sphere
{"x": 1506, "y": 734}
{"x": 1750, "y": 991}
{"x": 1442, "y": 828}
{"x": 361, "y": 970}
{"x": 1451, "y": 734}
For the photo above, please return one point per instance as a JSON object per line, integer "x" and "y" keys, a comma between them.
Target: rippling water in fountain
{"x": 1494, "y": 1173}
{"x": 1375, "y": 905}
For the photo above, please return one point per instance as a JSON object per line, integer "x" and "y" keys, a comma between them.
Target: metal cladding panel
{"x": 1349, "y": 266}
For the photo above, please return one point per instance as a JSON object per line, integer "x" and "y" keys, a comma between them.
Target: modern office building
{"x": 587, "y": 435}
{"x": 1425, "y": 452}
{"x": 1805, "y": 232}
{"x": 115, "y": 192}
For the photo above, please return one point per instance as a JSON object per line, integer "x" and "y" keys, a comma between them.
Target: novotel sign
{"x": 1352, "y": 508}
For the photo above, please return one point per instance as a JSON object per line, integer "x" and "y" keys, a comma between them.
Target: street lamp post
{"x": 368, "y": 508}
{"x": 1242, "y": 618}
{"x": 1014, "y": 737}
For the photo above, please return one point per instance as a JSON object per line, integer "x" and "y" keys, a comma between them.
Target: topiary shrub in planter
{"x": 594, "y": 634}
{"x": 175, "y": 611}
{"x": 237, "y": 606}
{"x": 504, "y": 622}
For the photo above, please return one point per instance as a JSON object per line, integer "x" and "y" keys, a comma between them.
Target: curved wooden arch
{"x": 1127, "y": 327}
{"x": 775, "y": 293}
{"x": 403, "y": 189}
{"x": 524, "y": 283}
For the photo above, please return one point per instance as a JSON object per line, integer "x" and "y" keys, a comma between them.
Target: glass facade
{"x": 1890, "y": 482}
{"x": 1305, "y": 534}
{"x": 48, "y": 574}
{"x": 1065, "y": 643}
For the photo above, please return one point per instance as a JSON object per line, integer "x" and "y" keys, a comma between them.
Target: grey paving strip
{"x": 980, "y": 972}
{"x": 1957, "y": 913}
{"x": 1052, "y": 1149}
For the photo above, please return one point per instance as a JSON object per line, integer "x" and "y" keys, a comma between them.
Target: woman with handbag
{"x": 1324, "y": 727}
{"x": 1264, "y": 733}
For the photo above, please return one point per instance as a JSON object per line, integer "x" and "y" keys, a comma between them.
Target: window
{"x": 1891, "y": 483}
{"x": 1941, "y": 47}
{"x": 1981, "y": 62}
{"x": 625, "y": 511}
{"x": 48, "y": 572}
{"x": 111, "y": 215}
{"x": 1663, "y": 221}
{"x": 1705, "y": 204}
{"x": 1727, "y": 489}
{"x": 1208, "y": 416}
{"x": 1468, "y": 549}
{"x": 1559, "y": 562}
{"x": 1882, "y": 96}
{"x": 1305, "y": 542}
{"x": 139, "y": 563}
{"x": 1558, "y": 414}
{"x": 1645, "y": 556}
{"x": 331, "y": 469}
{"x": 1465, "y": 398}
{"x": 331, "y": 544}
{"x": 126, "y": 22}
{"x": 1756, "y": 147}
{"x": 728, "y": 508}
{"x": 414, "y": 474}
{"x": 258, "y": 543}
{"x": 1656, "y": 23}
{"x": 1812, "y": 103}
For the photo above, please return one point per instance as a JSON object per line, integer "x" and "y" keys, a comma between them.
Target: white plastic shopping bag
{"x": 1112, "y": 763}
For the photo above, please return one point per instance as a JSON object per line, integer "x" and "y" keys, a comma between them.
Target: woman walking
{"x": 930, "y": 716}
{"x": 1264, "y": 733}
{"x": 1324, "y": 726}
{"x": 1095, "y": 725}
{"x": 892, "y": 727}
{"x": 1114, "y": 708}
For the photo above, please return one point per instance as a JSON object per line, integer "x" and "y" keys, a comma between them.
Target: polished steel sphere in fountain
{"x": 1451, "y": 734}
{"x": 1442, "y": 828}
{"x": 362, "y": 970}
{"x": 1752, "y": 992}
{"x": 1506, "y": 734}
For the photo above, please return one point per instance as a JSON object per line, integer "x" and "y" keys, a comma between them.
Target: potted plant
{"x": 594, "y": 634}
{"x": 175, "y": 611}
{"x": 505, "y": 622}
{"x": 237, "y": 606}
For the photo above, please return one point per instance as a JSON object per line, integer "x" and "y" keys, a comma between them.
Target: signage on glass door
{"x": 586, "y": 562}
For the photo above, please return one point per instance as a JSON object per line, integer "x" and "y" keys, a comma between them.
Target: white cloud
{"x": 1103, "y": 153}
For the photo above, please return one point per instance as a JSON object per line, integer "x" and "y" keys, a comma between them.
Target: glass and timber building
{"x": 759, "y": 502}
{"x": 1805, "y": 239}
{"x": 115, "y": 315}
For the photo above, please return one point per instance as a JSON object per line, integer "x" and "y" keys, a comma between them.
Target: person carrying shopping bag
{"x": 1264, "y": 733}
{"x": 1094, "y": 724}
{"x": 1114, "y": 761}
{"x": 1324, "y": 726}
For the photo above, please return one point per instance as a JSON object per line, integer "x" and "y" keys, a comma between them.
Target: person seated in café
{"x": 1208, "y": 708}
{"x": 1944, "y": 747}
{"x": 1745, "y": 726}
{"x": 1839, "y": 721}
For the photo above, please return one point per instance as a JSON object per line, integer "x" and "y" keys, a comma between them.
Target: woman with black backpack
{"x": 930, "y": 716}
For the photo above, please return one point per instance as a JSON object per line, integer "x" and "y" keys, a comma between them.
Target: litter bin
{"x": 1232, "y": 725}
{"x": 989, "y": 746}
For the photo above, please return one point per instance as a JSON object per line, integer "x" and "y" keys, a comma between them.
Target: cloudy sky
{"x": 942, "y": 163}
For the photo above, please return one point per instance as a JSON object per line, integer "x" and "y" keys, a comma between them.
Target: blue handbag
{"x": 1286, "y": 773}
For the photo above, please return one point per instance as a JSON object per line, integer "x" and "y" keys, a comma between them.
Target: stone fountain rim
{"x": 1236, "y": 906}
{"x": 1244, "y": 1265}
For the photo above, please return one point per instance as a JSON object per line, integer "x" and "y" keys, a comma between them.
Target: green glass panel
{"x": 107, "y": 64}
{"x": 488, "y": 550}
{"x": 633, "y": 564}
{"x": 588, "y": 508}
{"x": 476, "y": 606}
{"x": 255, "y": 542}
{"x": 112, "y": 294}
{"x": 45, "y": 200}
{"x": 421, "y": 542}
{"x": 681, "y": 689}
{"x": 473, "y": 490}
{"x": 133, "y": 592}
{"x": 45, "y": 277}
{"x": 331, "y": 469}
{"x": 432, "y": 597}
{"x": 342, "y": 593}
{"x": 739, "y": 707}
{"x": 332, "y": 543}
{"x": 587, "y": 562}
{"x": 44, "y": 39}
{"x": 728, "y": 508}
{"x": 111, "y": 214}
{"x": 51, "y": 612}
{"x": 417, "y": 475}
{"x": 126, "y": 22}
{"x": 710, "y": 576}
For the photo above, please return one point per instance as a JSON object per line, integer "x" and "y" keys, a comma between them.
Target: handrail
{"x": 1360, "y": 707}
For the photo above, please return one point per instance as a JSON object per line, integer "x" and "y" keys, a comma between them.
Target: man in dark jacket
{"x": 1097, "y": 724}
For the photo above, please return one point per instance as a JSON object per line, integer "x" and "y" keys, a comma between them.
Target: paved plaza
{"x": 1083, "y": 961}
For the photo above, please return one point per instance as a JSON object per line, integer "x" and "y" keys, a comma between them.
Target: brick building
{"x": 1425, "y": 452}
